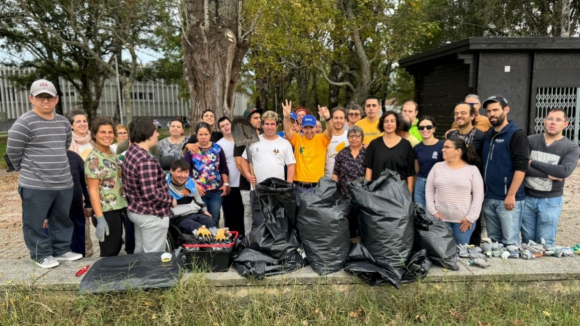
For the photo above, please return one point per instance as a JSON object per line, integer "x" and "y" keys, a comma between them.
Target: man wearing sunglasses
{"x": 37, "y": 145}
{"x": 481, "y": 122}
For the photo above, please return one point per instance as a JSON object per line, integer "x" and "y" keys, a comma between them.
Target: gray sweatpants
{"x": 54, "y": 205}
{"x": 247, "y": 211}
{"x": 150, "y": 232}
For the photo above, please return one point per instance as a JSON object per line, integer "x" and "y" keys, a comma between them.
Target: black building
{"x": 534, "y": 75}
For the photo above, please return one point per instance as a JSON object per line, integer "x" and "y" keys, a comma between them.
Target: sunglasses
{"x": 354, "y": 114}
{"x": 425, "y": 127}
{"x": 43, "y": 97}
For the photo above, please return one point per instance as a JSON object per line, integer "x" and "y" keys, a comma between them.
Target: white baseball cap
{"x": 42, "y": 86}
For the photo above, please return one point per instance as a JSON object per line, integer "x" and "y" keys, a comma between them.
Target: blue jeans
{"x": 503, "y": 225}
{"x": 213, "y": 200}
{"x": 540, "y": 219}
{"x": 458, "y": 236}
{"x": 302, "y": 190}
{"x": 419, "y": 192}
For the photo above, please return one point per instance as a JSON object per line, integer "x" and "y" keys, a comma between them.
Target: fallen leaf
{"x": 9, "y": 282}
{"x": 154, "y": 317}
{"x": 316, "y": 311}
{"x": 518, "y": 322}
{"x": 148, "y": 304}
{"x": 27, "y": 298}
{"x": 305, "y": 322}
{"x": 437, "y": 287}
{"x": 547, "y": 314}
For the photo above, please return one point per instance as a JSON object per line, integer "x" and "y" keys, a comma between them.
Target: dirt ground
{"x": 12, "y": 243}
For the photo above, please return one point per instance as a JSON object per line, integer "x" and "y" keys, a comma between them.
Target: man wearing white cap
{"x": 37, "y": 144}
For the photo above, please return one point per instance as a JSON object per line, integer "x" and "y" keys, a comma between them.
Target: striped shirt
{"x": 37, "y": 147}
{"x": 454, "y": 193}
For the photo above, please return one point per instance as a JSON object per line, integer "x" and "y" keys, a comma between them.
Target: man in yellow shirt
{"x": 309, "y": 149}
{"x": 370, "y": 124}
{"x": 481, "y": 122}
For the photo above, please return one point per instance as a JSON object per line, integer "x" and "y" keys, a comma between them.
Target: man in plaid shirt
{"x": 146, "y": 189}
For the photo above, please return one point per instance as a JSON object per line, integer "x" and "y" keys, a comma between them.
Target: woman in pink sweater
{"x": 454, "y": 190}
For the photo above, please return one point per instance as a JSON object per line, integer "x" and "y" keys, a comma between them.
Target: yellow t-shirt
{"x": 310, "y": 157}
{"x": 413, "y": 140}
{"x": 371, "y": 130}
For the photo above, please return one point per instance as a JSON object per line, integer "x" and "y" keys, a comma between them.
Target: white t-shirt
{"x": 337, "y": 143}
{"x": 228, "y": 148}
{"x": 269, "y": 158}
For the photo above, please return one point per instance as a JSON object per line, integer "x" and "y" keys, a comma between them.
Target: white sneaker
{"x": 47, "y": 262}
{"x": 69, "y": 256}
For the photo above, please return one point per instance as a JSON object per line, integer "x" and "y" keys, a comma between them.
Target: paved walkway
{"x": 18, "y": 272}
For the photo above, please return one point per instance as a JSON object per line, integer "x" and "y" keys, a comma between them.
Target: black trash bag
{"x": 386, "y": 216}
{"x": 323, "y": 227}
{"x": 418, "y": 267}
{"x": 126, "y": 272}
{"x": 361, "y": 263}
{"x": 437, "y": 238}
{"x": 256, "y": 265}
{"x": 274, "y": 196}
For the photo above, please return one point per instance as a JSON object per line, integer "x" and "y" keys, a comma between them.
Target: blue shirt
{"x": 428, "y": 155}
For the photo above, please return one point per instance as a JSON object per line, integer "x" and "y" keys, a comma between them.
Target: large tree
{"x": 216, "y": 37}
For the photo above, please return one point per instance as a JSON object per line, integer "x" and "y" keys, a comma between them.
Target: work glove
{"x": 462, "y": 249}
{"x": 479, "y": 263}
{"x": 102, "y": 228}
{"x": 535, "y": 248}
{"x": 496, "y": 246}
{"x": 475, "y": 253}
{"x": 486, "y": 248}
{"x": 527, "y": 255}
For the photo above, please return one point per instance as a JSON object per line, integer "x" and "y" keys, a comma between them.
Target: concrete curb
{"x": 18, "y": 273}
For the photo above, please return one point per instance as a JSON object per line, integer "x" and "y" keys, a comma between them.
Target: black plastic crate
{"x": 208, "y": 260}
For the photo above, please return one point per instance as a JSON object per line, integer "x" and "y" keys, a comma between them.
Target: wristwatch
{"x": 226, "y": 184}
{"x": 329, "y": 118}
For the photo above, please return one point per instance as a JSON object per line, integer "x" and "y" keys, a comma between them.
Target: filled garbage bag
{"x": 323, "y": 227}
{"x": 386, "y": 216}
{"x": 254, "y": 264}
{"x": 274, "y": 236}
{"x": 434, "y": 236}
{"x": 418, "y": 267}
{"x": 274, "y": 196}
{"x": 131, "y": 272}
{"x": 361, "y": 263}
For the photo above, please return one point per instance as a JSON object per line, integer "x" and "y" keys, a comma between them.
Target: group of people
{"x": 486, "y": 175}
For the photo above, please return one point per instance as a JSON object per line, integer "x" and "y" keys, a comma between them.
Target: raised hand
{"x": 323, "y": 112}
{"x": 286, "y": 108}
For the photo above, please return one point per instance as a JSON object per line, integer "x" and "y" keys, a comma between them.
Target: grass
{"x": 198, "y": 303}
{"x": 3, "y": 139}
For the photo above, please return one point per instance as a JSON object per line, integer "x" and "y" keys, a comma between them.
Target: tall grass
{"x": 198, "y": 303}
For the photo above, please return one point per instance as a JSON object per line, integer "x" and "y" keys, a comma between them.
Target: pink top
{"x": 454, "y": 193}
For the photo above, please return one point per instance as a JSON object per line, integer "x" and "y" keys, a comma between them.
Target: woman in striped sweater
{"x": 454, "y": 190}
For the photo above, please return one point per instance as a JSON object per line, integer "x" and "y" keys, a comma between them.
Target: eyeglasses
{"x": 555, "y": 120}
{"x": 449, "y": 147}
{"x": 43, "y": 97}
{"x": 425, "y": 127}
{"x": 354, "y": 136}
{"x": 353, "y": 114}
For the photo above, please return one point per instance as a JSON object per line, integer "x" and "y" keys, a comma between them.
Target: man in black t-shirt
{"x": 255, "y": 117}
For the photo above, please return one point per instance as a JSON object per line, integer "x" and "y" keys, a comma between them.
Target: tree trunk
{"x": 213, "y": 50}
{"x": 565, "y": 24}
{"x": 303, "y": 80}
{"x": 263, "y": 88}
{"x": 333, "y": 90}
